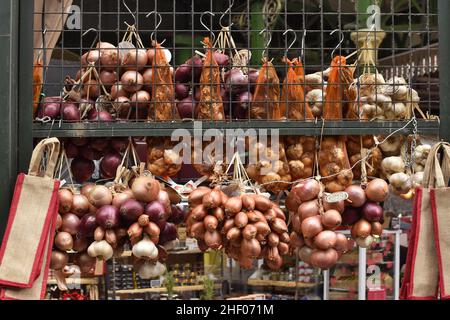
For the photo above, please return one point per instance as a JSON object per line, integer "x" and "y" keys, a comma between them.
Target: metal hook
{"x": 303, "y": 45}
{"x": 268, "y": 42}
{"x": 340, "y": 42}
{"x": 293, "y": 42}
{"x": 223, "y": 14}
{"x": 129, "y": 10}
{"x": 152, "y": 36}
{"x": 213, "y": 37}
{"x": 96, "y": 37}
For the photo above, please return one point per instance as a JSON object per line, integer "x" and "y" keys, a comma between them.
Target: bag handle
{"x": 435, "y": 174}
{"x": 53, "y": 145}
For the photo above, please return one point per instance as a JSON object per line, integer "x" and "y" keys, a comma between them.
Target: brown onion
{"x": 311, "y": 227}
{"x": 211, "y": 223}
{"x": 120, "y": 198}
{"x": 356, "y": 196}
{"x": 253, "y": 216}
{"x": 86, "y": 262}
{"x": 196, "y": 197}
{"x": 292, "y": 202}
{"x": 145, "y": 189}
{"x": 249, "y": 232}
{"x": 108, "y": 78}
{"x": 64, "y": 241}
{"x": 278, "y": 212}
{"x": 117, "y": 90}
{"x": 227, "y": 226}
{"x": 248, "y": 202}
{"x": 295, "y": 240}
{"x": 304, "y": 254}
{"x": 111, "y": 238}
{"x": 308, "y": 209}
{"x": 284, "y": 237}
{"x": 361, "y": 229}
{"x": 377, "y": 190}
{"x": 331, "y": 219}
{"x": 233, "y": 206}
{"x": 65, "y": 200}
{"x": 199, "y": 212}
{"x": 219, "y": 214}
{"x": 152, "y": 229}
{"x": 377, "y": 228}
{"x": 234, "y": 233}
{"x": 100, "y": 196}
{"x": 70, "y": 223}
{"x": 279, "y": 226}
{"x": 273, "y": 239}
{"x": 325, "y": 240}
{"x": 58, "y": 260}
{"x": 262, "y": 203}
{"x": 283, "y": 248}
{"x": 213, "y": 199}
{"x": 270, "y": 215}
{"x": 250, "y": 248}
{"x": 86, "y": 189}
{"x": 99, "y": 234}
{"x": 241, "y": 220}
{"x": 132, "y": 81}
{"x": 213, "y": 239}
{"x": 341, "y": 243}
{"x": 324, "y": 259}
{"x": 80, "y": 205}
{"x": 307, "y": 190}
{"x": 135, "y": 59}
{"x": 198, "y": 230}
{"x": 263, "y": 228}
{"x": 135, "y": 231}
{"x": 296, "y": 223}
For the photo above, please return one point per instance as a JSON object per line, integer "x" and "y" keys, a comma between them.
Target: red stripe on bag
{"x": 12, "y": 213}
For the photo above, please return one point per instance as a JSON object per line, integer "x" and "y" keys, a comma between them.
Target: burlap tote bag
{"x": 427, "y": 273}
{"x": 28, "y": 240}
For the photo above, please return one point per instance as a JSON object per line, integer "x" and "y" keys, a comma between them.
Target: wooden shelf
{"x": 81, "y": 281}
{"x": 126, "y": 254}
{"x": 283, "y": 284}
{"x": 163, "y": 290}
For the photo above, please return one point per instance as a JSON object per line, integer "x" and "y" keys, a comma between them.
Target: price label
{"x": 336, "y": 197}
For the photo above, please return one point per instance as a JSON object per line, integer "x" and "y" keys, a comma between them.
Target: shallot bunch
{"x": 248, "y": 226}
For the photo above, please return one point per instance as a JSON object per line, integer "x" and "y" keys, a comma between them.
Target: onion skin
{"x": 70, "y": 223}
{"x": 108, "y": 217}
{"x": 132, "y": 81}
{"x": 152, "y": 229}
{"x": 99, "y": 234}
{"x": 198, "y": 230}
{"x": 356, "y": 196}
{"x": 144, "y": 220}
{"x": 195, "y": 197}
{"x": 145, "y": 189}
{"x": 100, "y": 196}
{"x": 263, "y": 228}
{"x": 80, "y": 205}
{"x": 241, "y": 220}
{"x": 304, "y": 254}
{"x": 292, "y": 202}
{"x": 372, "y": 212}
{"x": 325, "y": 240}
{"x": 342, "y": 244}
{"x": 377, "y": 190}
{"x": 324, "y": 259}
{"x": 308, "y": 209}
{"x": 283, "y": 248}
{"x": 135, "y": 232}
{"x": 65, "y": 197}
{"x": 331, "y": 219}
{"x": 311, "y": 227}
{"x": 58, "y": 260}
{"x": 361, "y": 229}
{"x": 219, "y": 214}
{"x": 64, "y": 241}
{"x": 307, "y": 189}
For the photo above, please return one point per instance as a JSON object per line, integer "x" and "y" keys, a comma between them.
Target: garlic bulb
{"x": 145, "y": 249}
{"x": 400, "y": 183}
{"x": 150, "y": 270}
{"x": 101, "y": 250}
{"x": 392, "y": 165}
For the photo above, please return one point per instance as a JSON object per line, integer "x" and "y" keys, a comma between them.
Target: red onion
{"x": 131, "y": 210}
{"x": 372, "y": 211}
{"x": 183, "y": 73}
{"x": 196, "y": 65}
{"x": 163, "y": 198}
{"x": 51, "y": 107}
{"x": 177, "y": 216}
{"x": 186, "y": 107}
{"x": 107, "y": 217}
{"x": 70, "y": 223}
{"x": 87, "y": 226}
{"x": 71, "y": 150}
{"x": 82, "y": 169}
{"x": 120, "y": 198}
{"x": 350, "y": 216}
{"x": 89, "y": 153}
{"x": 110, "y": 163}
{"x": 168, "y": 233}
{"x": 221, "y": 59}
{"x": 79, "y": 142}
{"x": 80, "y": 244}
{"x": 70, "y": 112}
{"x": 119, "y": 144}
{"x": 100, "y": 116}
{"x": 181, "y": 91}
{"x": 156, "y": 213}
{"x": 99, "y": 144}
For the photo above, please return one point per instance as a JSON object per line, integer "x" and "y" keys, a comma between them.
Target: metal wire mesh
{"x": 407, "y": 31}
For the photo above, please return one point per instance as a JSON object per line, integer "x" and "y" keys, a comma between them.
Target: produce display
{"x": 95, "y": 221}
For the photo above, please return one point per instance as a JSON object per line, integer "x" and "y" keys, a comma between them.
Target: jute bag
{"x": 427, "y": 273}
{"x": 27, "y": 244}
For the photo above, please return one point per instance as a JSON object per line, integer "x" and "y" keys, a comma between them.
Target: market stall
{"x": 219, "y": 150}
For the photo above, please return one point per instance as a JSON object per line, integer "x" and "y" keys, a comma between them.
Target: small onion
{"x": 110, "y": 163}
{"x": 307, "y": 189}
{"x": 372, "y": 211}
{"x": 304, "y": 254}
{"x": 80, "y": 205}
{"x": 308, "y": 209}
{"x": 120, "y": 198}
{"x": 64, "y": 241}
{"x": 100, "y": 196}
{"x": 65, "y": 197}
{"x": 70, "y": 223}
{"x": 324, "y": 259}
{"x": 342, "y": 244}
{"x": 377, "y": 190}
{"x": 331, "y": 219}
{"x": 325, "y": 240}
{"x": 311, "y": 227}
{"x": 350, "y": 216}
{"x": 82, "y": 169}
{"x": 58, "y": 260}
{"x": 361, "y": 229}
{"x": 356, "y": 196}
{"x": 80, "y": 244}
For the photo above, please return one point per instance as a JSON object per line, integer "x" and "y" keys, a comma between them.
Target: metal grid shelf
{"x": 160, "y": 129}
